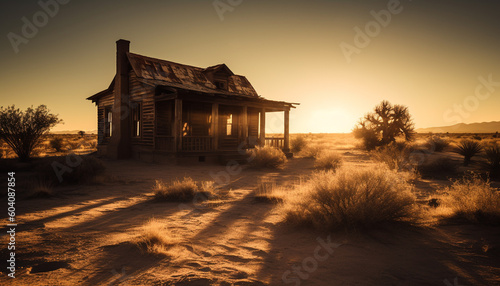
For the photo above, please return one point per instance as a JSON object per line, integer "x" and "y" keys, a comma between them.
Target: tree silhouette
{"x": 384, "y": 125}
{"x": 22, "y": 130}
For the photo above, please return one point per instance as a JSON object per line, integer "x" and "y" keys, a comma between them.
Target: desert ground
{"x": 86, "y": 233}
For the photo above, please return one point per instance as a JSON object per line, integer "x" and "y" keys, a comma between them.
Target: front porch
{"x": 186, "y": 126}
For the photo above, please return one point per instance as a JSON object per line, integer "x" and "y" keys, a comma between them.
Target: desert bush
{"x": 267, "y": 157}
{"x": 298, "y": 143}
{"x": 438, "y": 168}
{"x": 56, "y": 143}
{"x": 73, "y": 145}
{"x": 437, "y": 144}
{"x": 312, "y": 150}
{"x": 468, "y": 149}
{"x": 23, "y": 130}
{"x": 329, "y": 160}
{"x": 395, "y": 156}
{"x": 80, "y": 169}
{"x": 154, "y": 238}
{"x": 474, "y": 199}
{"x": 352, "y": 198}
{"x": 182, "y": 191}
{"x": 269, "y": 192}
{"x": 492, "y": 156}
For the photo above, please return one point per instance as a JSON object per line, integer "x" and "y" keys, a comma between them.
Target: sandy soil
{"x": 84, "y": 238}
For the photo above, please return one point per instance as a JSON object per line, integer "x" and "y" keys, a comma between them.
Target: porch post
{"x": 215, "y": 126}
{"x": 286, "y": 146}
{"x": 263, "y": 127}
{"x": 178, "y": 125}
{"x": 244, "y": 123}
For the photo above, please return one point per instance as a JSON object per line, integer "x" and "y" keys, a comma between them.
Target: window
{"x": 221, "y": 84}
{"x": 108, "y": 123}
{"x": 229, "y": 125}
{"x": 136, "y": 120}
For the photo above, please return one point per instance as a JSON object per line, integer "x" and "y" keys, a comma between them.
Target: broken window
{"x": 108, "y": 124}
{"x": 229, "y": 125}
{"x": 136, "y": 120}
{"x": 221, "y": 84}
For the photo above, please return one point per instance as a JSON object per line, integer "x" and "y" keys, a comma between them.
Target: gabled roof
{"x": 217, "y": 68}
{"x": 161, "y": 72}
{"x": 107, "y": 91}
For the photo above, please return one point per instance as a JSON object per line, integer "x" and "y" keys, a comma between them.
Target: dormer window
{"x": 221, "y": 84}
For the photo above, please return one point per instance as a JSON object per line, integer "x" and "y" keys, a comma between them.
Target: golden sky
{"x": 437, "y": 58}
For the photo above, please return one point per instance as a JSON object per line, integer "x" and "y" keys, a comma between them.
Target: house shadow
{"x": 390, "y": 255}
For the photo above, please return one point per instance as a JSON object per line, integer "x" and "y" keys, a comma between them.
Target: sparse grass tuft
{"x": 395, "y": 156}
{"x": 312, "y": 150}
{"x": 269, "y": 192}
{"x": 351, "y": 198}
{"x": 492, "y": 156}
{"x": 56, "y": 143}
{"x": 328, "y": 160}
{"x": 267, "y": 157}
{"x": 474, "y": 199}
{"x": 154, "y": 238}
{"x": 468, "y": 149}
{"x": 298, "y": 143}
{"x": 438, "y": 168}
{"x": 41, "y": 188}
{"x": 181, "y": 191}
{"x": 437, "y": 144}
{"x": 73, "y": 169}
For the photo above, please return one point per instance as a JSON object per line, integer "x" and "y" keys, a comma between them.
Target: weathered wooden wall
{"x": 144, "y": 94}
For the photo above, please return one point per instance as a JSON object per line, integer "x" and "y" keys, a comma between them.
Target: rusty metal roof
{"x": 168, "y": 73}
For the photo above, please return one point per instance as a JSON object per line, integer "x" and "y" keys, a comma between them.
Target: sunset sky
{"x": 436, "y": 58}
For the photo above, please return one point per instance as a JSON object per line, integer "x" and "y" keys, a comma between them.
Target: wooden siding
{"x": 104, "y": 102}
{"x": 143, "y": 93}
{"x": 253, "y": 123}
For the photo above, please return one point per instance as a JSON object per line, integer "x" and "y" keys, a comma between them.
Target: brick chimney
{"x": 119, "y": 145}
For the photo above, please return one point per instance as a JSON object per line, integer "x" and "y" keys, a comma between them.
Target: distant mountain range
{"x": 482, "y": 127}
{"x": 73, "y": 132}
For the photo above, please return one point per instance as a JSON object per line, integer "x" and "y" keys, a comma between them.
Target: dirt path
{"x": 84, "y": 238}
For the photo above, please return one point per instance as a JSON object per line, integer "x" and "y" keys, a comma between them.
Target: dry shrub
{"x": 73, "y": 144}
{"x": 73, "y": 169}
{"x": 437, "y": 144}
{"x": 298, "y": 143}
{"x": 395, "y": 156}
{"x": 352, "y": 198}
{"x": 40, "y": 188}
{"x": 154, "y": 238}
{"x": 267, "y": 157}
{"x": 270, "y": 192}
{"x": 474, "y": 199}
{"x": 56, "y": 143}
{"x": 328, "y": 160}
{"x": 438, "y": 168}
{"x": 312, "y": 150}
{"x": 492, "y": 156}
{"x": 181, "y": 191}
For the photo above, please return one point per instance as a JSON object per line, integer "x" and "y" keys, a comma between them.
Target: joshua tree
{"x": 22, "y": 130}
{"x": 384, "y": 125}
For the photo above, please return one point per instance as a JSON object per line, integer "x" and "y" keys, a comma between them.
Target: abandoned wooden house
{"x": 156, "y": 108}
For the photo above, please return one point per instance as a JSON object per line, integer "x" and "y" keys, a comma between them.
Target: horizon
{"x": 337, "y": 67}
